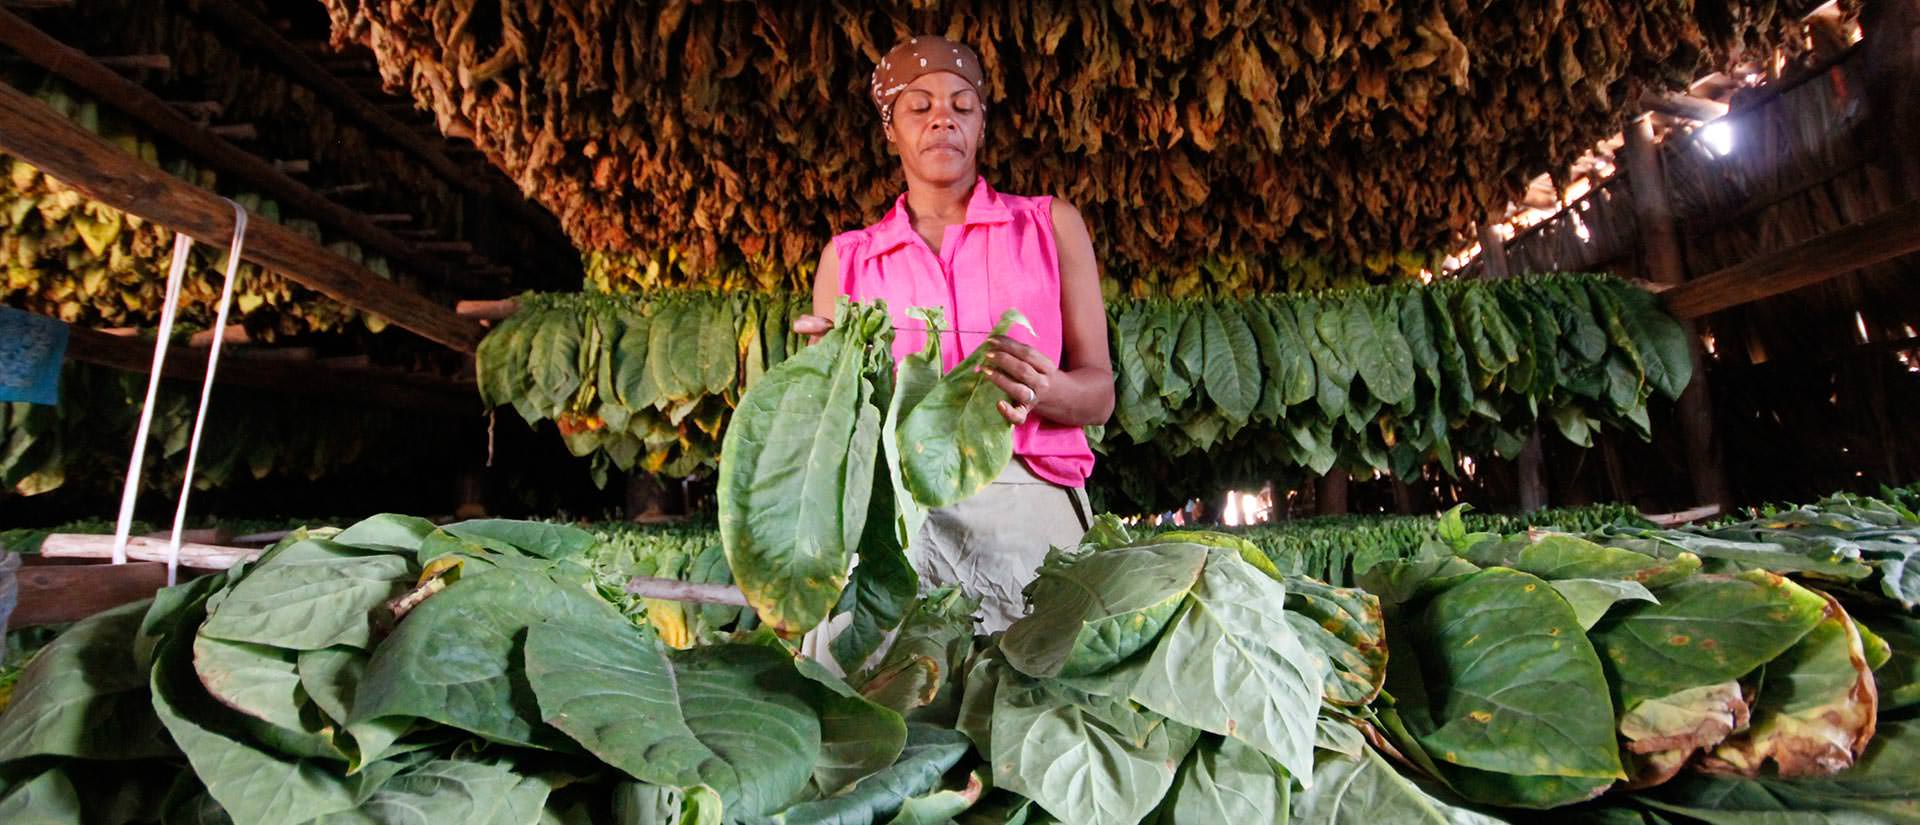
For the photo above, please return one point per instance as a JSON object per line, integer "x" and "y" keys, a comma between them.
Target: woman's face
{"x": 938, "y": 123}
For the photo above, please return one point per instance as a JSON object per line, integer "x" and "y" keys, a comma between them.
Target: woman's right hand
{"x": 812, "y": 326}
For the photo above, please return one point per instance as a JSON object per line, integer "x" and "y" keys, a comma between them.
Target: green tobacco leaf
{"x": 536, "y": 538}
{"x": 1295, "y": 375}
{"x": 633, "y": 386}
{"x": 787, "y": 464}
{"x": 1320, "y": 328}
{"x": 724, "y": 716}
{"x": 1705, "y": 630}
{"x": 499, "y": 365}
{"x": 1345, "y": 627}
{"x": 1231, "y": 375}
{"x": 1225, "y": 781}
{"x": 1230, "y": 663}
{"x": 933, "y": 641}
{"x": 878, "y": 596}
{"x": 47, "y": 799}
{"x": 84, "y": 695}
{"x": 331, "y": 677}
{"x": 1816, "y": 709}
{"x": 386, "y": 532}
{"x": 554, "y": 359}
{"x": 1660, "y": 340}
{"x": 1898, "y": 681}
{"x": 1368, "y": 791}
{"x": 310, "y": 602}
{"x": 253, "y": 784}
{"x": 1662, "y": 733}
{"x": 955, "y": 442}
{"x": 916, "y": 376}
{"x": 256, "y": 680}
{"x": 929, "y": 753}
{"x": 1380, "y": 355}
{"x": 941, "y": 806}
{"x": 1592, "y": 598}
{"x": 1517, "y": 688}
{"x": 454, "y": 660}
{"x": 1087, "y": 760}
{"x": 451, "y": 790}
{"x": 857, "y": 735}
{"x": 1560, "y": 556}
{"x": 1092, "y": 610}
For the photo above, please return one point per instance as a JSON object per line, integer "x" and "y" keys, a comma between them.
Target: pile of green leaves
{"x": 398, "y": 672}
{"x": 249, "y": 436}
{"x": 682, "y": 553}
{"x": 1388, "y": 378}
{"x": 1714, "y": 673}
{"x": 642, "y": 382}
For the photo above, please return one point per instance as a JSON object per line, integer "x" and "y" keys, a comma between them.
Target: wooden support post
{"x": 1660, "y": 248}
{"x": 1529, "y": 466}
{"x": 1331, "y": 497}
{"x": 37, "y": 134}
{"x": 1891, "y": 64}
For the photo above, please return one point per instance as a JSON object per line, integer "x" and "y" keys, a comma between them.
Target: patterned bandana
{"x": 921, "y": 55}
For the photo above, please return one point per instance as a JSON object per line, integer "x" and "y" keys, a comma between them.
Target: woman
{"x": 954, "y": 243}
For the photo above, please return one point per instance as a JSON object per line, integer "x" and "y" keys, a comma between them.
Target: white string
{"x": 206, "y": 386}
{"x": 181, "y": 245}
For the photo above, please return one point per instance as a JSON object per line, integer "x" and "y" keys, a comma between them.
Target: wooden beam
{"x": 33, "y": 5}
{"x": 131, "y": 62}
{"x": 56, "y": 593}
{"x": 234, "y": 131}
{"x": 347, "y": 384}
{"x": 496, "y": 310}
{"x": 270, "y": 178}
{"x": 1660, "y": 248}
{"x": 1883, "y": 237}
{"x": 307, "y": 71}
{"x": 37, "y": 134}
{"x": 1683, "y": 106}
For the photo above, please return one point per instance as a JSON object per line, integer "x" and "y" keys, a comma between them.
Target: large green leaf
{"x": 256, "y": 680}
{"x": 84, "y": 695}
{"x": 455, "y": 659}
{"x": 1517, "y": 688}
{"x": 955, "y": 442}
{"x": 1816, "y": 708}
{"x": 719, "y": 349}
{"x": 1898, "y": 681}
{"x": 1380, "y": 355}
{"x": 1232, "y": 369}
{"x": 1092, "y": 610}
{"x": 1663, "y": 732}
{"x": 1345, "y": 627}
{"x": 857, "y": 735}
{"x": 1368, "y": 791}
{"x": 790, "y": 511}
{"x": 929, "y": 753}
{"x": 1230, "y": 663}
{"x": 1592, "y": 598}
{"x": 46, "y": 799}
{"x": 1561, "y": 556}
{"x": 1086, "y": 759}
{"x": 1705, "y": 630}
{"x": 309, "y": 602}
{"x": 1225, "y": 781}
{"x": 554, "y": 359}
{"x": 331, "y": 678}
{"x": 1295, "y": 375}
{"x": 451, "y": 790}
{"x": 253, "y": 784}
{"x": 536, "y": 538}
{"x": 731, "y": 717}
{"x": 386, "y": 532}
{"x": 1320, "y": 328}
{"x": 1660, "y": 340}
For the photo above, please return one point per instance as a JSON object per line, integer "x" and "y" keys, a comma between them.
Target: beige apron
{"x": 991, "y": 545}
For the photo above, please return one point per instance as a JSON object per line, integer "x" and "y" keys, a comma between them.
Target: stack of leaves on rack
{"x": 87, "y": 263}
{"x": 83, "y": 443}
{"x": 636, "y": 381}
{"x": 1386, "y": 379}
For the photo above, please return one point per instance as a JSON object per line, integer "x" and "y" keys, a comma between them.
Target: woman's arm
{"x": 826, "y": 291}
{"x": 1078, "y": 392}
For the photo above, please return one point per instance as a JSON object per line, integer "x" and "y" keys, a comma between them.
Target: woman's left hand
{"x": 1025, "y": 374}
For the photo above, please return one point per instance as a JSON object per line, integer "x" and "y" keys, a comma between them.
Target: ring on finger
{"x": 1032, "y": 396}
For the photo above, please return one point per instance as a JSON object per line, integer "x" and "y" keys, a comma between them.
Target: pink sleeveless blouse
{"x": 1001, "y": 257}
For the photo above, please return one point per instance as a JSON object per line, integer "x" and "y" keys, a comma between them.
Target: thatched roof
{"x": 1293, "y": 139}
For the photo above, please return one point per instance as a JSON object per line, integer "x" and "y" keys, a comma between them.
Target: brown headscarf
{"x": 921, "y": 55}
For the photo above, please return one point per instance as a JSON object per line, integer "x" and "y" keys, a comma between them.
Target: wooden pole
{"x": 1891, "y": 65}
{"x": 1881, "y": 238}
{"x": 37, "y": 134}
{"x": 1530, "y": 466}
{"x": 1331, "y": 497}
{"x": 674, "y": 590}
{"x": 1660, "y": 248}
{"x": 167, "y": 122}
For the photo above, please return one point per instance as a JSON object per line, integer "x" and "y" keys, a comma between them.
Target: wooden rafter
{"x": 1883, "y": 237}
{"x": 150, "y": 110}
{"x": 35, "y": 133}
